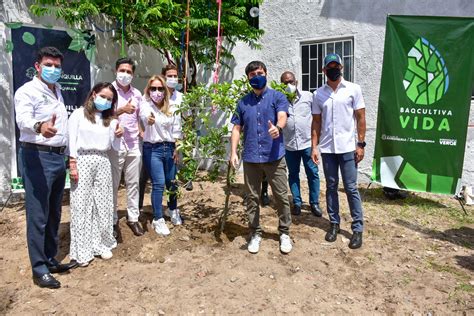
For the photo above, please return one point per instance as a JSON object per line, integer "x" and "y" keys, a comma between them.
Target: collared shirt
{"x": 83, "y": 134}
{"x": 252, "y": 114}
{"x": 167, "y": 128}
{"x": 297, "y": 132}
{"x": 35, "y": 102}
{"x": 176, "y": 98}
{"x": 129, "y": 122}
{"x": 338, "y": 124}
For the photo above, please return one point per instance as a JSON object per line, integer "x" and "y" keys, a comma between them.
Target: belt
{"x": 57, "y": 150}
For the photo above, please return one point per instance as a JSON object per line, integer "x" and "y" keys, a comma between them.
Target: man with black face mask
{"x": 338, "y": 112}
{"x": 261, "y": 115}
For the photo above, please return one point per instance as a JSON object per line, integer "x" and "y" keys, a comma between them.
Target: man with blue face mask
{"x": 261, "y": 115}
{"x": 43, "y": 123}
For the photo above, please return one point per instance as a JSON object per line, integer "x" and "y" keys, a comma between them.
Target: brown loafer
{"x": 136, "y": 228}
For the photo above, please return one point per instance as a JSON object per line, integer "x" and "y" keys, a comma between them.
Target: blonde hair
{"x": 164, "y": 106}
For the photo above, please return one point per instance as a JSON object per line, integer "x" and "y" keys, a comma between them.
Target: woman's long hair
{"x": 90, "y": 109}
{"x": 165, "y": 104}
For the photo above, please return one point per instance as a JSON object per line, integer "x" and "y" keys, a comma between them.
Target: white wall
{"x": 287, "y": 23}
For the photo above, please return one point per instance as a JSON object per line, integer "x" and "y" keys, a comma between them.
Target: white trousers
{"x": 128, "y": 162}
{"x": 91, "y": 207}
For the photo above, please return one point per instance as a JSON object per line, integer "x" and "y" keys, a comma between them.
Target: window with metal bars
{"x": 312, "y": 58}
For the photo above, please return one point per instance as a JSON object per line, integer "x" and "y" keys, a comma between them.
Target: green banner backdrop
{"x": 425, "y": 92}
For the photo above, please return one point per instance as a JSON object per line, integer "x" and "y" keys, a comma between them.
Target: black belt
{"x": 57, "y": 150}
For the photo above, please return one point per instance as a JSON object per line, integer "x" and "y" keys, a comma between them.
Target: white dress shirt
{"x": 166, "y": 128}
{"x": 338, "y": 126}
{"x": 83, "y": 134}
{"x": 176, "y": 98}
{"x": 35, "y": 102}
{"x": 297, "y": 132}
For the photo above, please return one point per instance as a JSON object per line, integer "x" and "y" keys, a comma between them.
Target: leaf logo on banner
{"x": 426, "y": 80}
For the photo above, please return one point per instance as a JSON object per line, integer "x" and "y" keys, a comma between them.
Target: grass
{"x": 465, "y": 287}
{"x": 448, "y": 269}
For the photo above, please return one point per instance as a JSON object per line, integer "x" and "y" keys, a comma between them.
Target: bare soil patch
{"x": 418, "y": 257}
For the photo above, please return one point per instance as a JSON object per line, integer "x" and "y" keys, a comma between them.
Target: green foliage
{"x": 204, "y": 140}
{"x": 161, "y": 23}
{"x": 278, "y": 86}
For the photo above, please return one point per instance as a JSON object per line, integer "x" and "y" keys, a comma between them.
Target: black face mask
{"x": 333, "y": 73}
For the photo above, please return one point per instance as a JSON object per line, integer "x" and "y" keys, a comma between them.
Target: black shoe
{"x": 296, "y": 210}
{"x": 265, "y": 199}
{"x": 60, "y": 268}
{"x": 47, "y": 280}
{"x": 331, "y": 235}
{"x": 316, "y": 210}
{"x": 116, "y": 231}
{"x": 136, "y": 228}
{"x": 189, "y": 186}
{"x": 356, "y": 240}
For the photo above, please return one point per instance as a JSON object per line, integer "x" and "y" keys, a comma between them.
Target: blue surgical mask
{"x": 258, "y": 82}
{"x": 102, "y": 104}
{"x": 50, "y": 74}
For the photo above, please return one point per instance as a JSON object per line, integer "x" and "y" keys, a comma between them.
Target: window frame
{"x": 324, "y": 42}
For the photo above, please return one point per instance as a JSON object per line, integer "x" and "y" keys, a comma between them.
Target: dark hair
{"x": 254, "y": 65}
{"x": 287, "y": 73}
{"x": 49, "y": 51}
{"x": 89, "y": 107}
{"x": 168, "y": 67}
{"x": 125, "y": 60}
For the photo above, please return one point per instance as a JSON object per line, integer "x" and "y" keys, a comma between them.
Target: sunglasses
{"x": 161, "y": 89}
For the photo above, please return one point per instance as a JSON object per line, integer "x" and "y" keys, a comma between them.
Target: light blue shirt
{"x": 297, "y": 132}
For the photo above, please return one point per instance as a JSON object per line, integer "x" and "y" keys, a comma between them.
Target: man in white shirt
{"x": 297, "y": 137}
{"x": 42, "y": 120}
{"x": 338, "y": 113}
{"x": 128, "y": 158}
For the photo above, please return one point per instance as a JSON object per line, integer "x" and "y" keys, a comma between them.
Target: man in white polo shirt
{"x": 338, "y": 113}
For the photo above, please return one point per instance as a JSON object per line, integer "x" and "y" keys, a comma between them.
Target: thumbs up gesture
{"x": 47, "y": 128}
{"x": 118, "y": 131}
{"x": 151, "y": 119}
{"x": 273, "y": 130}
{"x": 129, "y": 108}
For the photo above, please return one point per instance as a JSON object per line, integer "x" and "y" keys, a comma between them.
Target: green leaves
{"x": 160, "y": 23}
{"x": 207, "y": 111}
{"x": 426, "y": 79}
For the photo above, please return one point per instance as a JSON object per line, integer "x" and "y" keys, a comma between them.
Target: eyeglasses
{"x": 161, "y": 89}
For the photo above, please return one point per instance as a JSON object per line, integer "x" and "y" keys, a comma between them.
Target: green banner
{"x": 425, "y": 93}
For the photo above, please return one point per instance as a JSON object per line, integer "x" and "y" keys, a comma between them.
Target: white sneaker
{"x": 160, "y": 227}
{"x": 106, "y": 255}
{"x": 176, "y": 217}
{"x": 285, "y": 243}
{"x": 254, "y": 243}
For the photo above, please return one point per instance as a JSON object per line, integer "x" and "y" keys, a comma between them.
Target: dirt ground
{"x": 417, "y": 259}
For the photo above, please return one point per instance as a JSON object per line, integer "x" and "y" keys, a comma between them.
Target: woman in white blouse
{"x": 162, "y": 131}
{"x": 93, "y": 130}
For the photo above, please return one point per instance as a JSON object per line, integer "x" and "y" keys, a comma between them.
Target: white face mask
{"x": 124, "y": 79}
{"x": 290, "y": 88}
{"x": 171, "y": 82}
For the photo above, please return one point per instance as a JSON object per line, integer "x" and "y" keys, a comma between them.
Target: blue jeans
{"x": 346, "y": 162}
{"x": 293, "y": 160}
{"x": 158, "y": 159}
{"x": 44, "y": 175}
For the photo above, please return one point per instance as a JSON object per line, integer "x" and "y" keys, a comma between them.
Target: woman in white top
{"x": 162, "y": 131}
{"x": 93, "y": 130}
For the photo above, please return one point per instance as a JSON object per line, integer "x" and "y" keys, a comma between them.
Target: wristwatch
{"x": 361, "y": 144}
{"x": 37, "y": 127}
{"x": 280, "y": 130}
